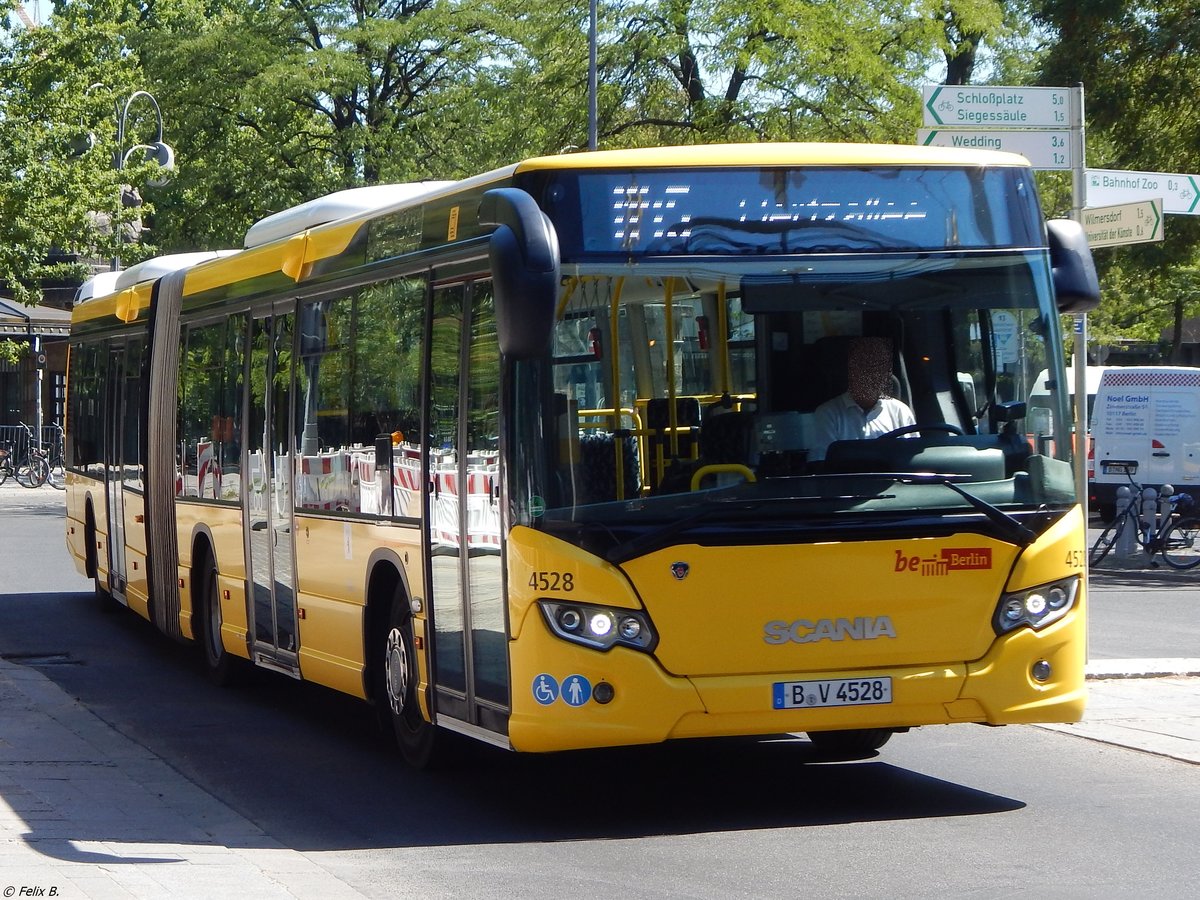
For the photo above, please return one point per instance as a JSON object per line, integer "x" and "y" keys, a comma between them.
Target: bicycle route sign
{"x": 978, "y": 106}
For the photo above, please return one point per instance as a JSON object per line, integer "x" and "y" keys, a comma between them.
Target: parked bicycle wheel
{"x": 56, "y": 476}
{"x": 1107, "y": 540}
{"x": 34, "y": 473}
{"x": 1181, "y": 543}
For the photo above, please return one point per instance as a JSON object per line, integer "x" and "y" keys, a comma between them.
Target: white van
{"x": 1039, "y": 413}
{"x": 1148, "y": 415}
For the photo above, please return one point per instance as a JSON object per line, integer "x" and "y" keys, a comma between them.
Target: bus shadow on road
{"x": 309, "y": 768}
{"x": 693, "y": 787}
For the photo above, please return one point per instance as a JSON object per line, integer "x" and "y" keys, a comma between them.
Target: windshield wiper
{"x": 1017, "y": 533}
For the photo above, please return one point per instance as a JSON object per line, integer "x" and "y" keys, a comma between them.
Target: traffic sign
{"x": 1180, "y": 193}
{"x": 999, "y": 106}
{"x": 1043, "y": 149}
{"x": 1126, "y": 223}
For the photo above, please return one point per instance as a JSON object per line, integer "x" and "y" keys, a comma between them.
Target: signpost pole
{"x": 1078, "y": 188}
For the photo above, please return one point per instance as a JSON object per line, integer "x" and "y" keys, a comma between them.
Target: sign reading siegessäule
{"x": 967, "y": 106}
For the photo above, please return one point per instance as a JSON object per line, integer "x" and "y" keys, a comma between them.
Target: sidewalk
{"x": 1152, "y": 705}
{"x": 91, "y": 814}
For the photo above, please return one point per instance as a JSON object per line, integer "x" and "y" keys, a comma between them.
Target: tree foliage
{"x": 271, "y": 102}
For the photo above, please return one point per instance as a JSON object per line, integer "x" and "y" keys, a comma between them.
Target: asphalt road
{"x": 949, "y": 812}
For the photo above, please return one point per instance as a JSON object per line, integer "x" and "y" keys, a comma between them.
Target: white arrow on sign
{"x": 1180, "y": 193}
{"x": 1126, "y": 223}
{"x": 999, "y": 106}
{"x": 1043, "y": 149}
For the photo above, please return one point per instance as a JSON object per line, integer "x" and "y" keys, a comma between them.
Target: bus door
{"x": 267, "y": 464}
{"x": 463, "y": 525}
{"x": 114, "y": 475}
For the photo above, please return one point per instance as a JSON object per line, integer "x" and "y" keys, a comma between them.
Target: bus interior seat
{"x": 663, "y": 447}
{"x": 598, "y": 466}
{"x": 728, "y": 437}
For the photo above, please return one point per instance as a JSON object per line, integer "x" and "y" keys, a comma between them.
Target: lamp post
{"x": 158, "y": 151}
{"x": 592, "y": 78}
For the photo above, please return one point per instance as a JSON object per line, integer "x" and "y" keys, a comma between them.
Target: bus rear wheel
{"x": 853, "y": 743}
{"x": 223, "y": 668}
{"x": 397, "y": 676}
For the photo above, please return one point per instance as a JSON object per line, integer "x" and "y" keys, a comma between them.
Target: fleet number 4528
{"x": 552, "y": 581}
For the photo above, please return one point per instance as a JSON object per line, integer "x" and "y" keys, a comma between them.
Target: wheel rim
{"x": 215, "y": 647}
{"x": 396, "y": 671}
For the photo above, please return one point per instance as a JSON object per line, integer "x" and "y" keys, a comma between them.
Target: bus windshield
{"x": 711, "y": 395}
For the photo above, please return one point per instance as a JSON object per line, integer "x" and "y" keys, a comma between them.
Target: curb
{"x": 1142, "y": 668}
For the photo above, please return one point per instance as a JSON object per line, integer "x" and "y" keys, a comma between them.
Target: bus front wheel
{"x": 396, "y": 688}
{"x": 858, "y": 742}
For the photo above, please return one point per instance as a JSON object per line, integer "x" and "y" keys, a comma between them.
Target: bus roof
{"x": 341, "y": 205}
{"x": 153, "y": 269}
{"x": 778, "y": 154}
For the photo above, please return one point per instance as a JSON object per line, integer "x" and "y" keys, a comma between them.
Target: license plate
{"x": 1118, "y": 467}
{"x": 833, "y": 692}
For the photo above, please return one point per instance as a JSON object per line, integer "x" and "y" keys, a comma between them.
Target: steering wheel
{"x": 911, "y": 429}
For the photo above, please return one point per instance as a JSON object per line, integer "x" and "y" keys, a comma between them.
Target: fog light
{"x": 1041, "y": 671}
{"x": 603, "y": 692}
{"x": 570, "y": 620}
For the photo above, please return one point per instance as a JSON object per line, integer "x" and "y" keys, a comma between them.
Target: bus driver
{"x": 864, "y": 410}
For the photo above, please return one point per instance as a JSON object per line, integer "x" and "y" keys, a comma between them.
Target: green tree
{"x": 1138, "y": 62}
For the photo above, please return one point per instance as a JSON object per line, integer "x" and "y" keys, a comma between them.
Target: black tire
{"x": 34, "y": 473}
{"x": 222, "y": 667}
{"x": 1181, "y": 543}
{"x": 396, "y": 677}
{"x": 57, "y": 477}
{"x": 5, "y": 471}
{"x": 104, "y": 599}
{"x": 1107, "y": 540}
{"x": 856, "y": 743}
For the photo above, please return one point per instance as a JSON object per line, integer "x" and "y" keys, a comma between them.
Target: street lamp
{"x": 592, "y": 79}
{"x": 158, "y": 151}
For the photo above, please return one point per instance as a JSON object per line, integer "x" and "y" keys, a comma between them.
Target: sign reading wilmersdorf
{"x": 1126, "y": 223}
{"x": 1180, "y": 193}
{"x": 1043, "y": 149}
{"x": 967, "y": 106}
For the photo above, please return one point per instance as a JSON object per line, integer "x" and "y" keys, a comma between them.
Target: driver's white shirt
{"x": 842, "y": 419}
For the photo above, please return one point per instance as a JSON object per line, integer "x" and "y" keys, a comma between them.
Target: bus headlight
{"x": 599, "y": 627}
{"x": 1036, "y": 607}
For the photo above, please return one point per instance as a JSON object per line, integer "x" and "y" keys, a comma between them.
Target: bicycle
{"x": 30, "y": 472}
{"x": 56, "y": 477}
{"x": 1176, "y": 537}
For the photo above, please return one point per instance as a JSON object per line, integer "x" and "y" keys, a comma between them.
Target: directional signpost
{"x": 1127, "y": 223}
{"x": 1043, "y": 124}
{"x": 973, "y": 106}
{"x": 1180, "y": 193}
{"x": 1044, "y": 149}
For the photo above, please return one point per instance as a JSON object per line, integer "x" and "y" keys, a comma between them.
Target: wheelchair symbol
{"x": 545, "y": 689}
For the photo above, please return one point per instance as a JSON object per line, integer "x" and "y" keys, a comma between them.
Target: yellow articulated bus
{"x": 582, "y": 452}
